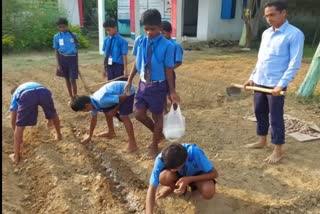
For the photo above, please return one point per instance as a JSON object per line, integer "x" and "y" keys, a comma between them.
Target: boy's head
{"x": 174, "y": 156}
{"x": 81, "y": 103}
{"x": 110, "y": 27}
{"x": 151, "y": 21}
{"x": 166, "y": 29}
{"x": 62, "y": 24}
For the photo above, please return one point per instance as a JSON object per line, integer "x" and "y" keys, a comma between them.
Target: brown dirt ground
{"x": 68, "y": 177}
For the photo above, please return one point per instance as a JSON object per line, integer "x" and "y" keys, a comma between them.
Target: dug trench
{"x": 100, "y": 177}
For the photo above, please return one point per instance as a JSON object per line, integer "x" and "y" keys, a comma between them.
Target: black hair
{"x": 78, "y": 103}
{"x": 280, "y": 5}
{"x": 14, "y": 89}
{"x": 62, "y": 21}
{"x": 166, "y": 26}
{"x": 110, "y": 23}
{"x": 174, "y": 156}
{"x": 151, "y": 17}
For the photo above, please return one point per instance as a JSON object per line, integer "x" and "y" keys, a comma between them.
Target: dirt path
{"x": 68, "y": 177}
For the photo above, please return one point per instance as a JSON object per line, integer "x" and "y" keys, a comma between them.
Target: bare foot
{"x": 49, "y": 123}
{"x": 106, "y": 134}
{"x": 163, "y": 191}
{"x": 153, "y": 152}
{"x": 256, "y": 145}
{"x": 13, "y": 159}
{"x": 58, "y": 137}
{"x": 275, "y": 157}
{"x": 132, "y": 147}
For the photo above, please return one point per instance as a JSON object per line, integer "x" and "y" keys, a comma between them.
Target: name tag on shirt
{"x": 61, "y": 43}
{"x": 109, "y": 61}
{"x": 72, "y": 40}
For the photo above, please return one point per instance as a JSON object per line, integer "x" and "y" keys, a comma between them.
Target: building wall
{"x": 211, "y": 26}
{"x": 71, "y": 7}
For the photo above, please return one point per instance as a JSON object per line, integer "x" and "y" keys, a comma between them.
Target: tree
{"x": 310, "y": 82}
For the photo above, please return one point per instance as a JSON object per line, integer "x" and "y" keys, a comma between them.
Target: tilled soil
{"x": 100, "y": 177}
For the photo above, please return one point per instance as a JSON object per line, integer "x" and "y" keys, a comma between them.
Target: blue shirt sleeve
{"x": 296, "y": 51}
{"x": 169, "y": 57}
{"x": 157, "y": 169}
{"x": 94, "y": 112}
{"x": 179, "y": 53}
{"x": 56, "y": 42}
{"x": 135, "y": 46}
{"x": 203, "y": 162}
{"x": 14, "y": 103}
{"x": 124, "y": 47}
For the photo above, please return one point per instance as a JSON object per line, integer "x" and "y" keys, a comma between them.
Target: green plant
{"x": 83, "y": 41}
{"x": 32, "y": 23}
{"x": 7, "y": 42}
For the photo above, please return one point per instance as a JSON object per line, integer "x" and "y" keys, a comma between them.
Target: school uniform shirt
{"x": 64, "y": 43}
{"x": 108, "y": 95}
{"x": 119, "y": 47}
{"x": 162, "y": 56}
{"x": 196, "y": 163}
{"x": 20, "y": 90}
{"x": 279, "y": 57}
{"x": 178, "y": 52}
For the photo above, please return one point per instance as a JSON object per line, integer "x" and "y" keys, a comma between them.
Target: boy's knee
{"x": 168, "y": 178}
{"x": 140, "y": 116}
{"x": 208, "y": 192}
{"x": 124, "y": 117}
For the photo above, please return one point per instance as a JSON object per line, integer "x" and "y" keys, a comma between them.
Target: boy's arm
{"x": 183, "y": 182}
{"x": 125, "y": 64}
{"x": 130, "y": 79}
{"x": 93, "y": 124}
{"x": 150, "y": 200}
{"x": 177, "y": 65}
{"x": 169, "y": 75}
{"x": 122, "y": 98}
{"x": 13, "y": 119}
{"x": 57, "y": 59}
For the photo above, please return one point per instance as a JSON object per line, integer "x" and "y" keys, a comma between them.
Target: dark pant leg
{"x": 276, "y": 104}
{"x": 261, "y": 110}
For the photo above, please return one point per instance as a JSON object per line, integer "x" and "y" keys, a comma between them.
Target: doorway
{"x": 190, "y": 18}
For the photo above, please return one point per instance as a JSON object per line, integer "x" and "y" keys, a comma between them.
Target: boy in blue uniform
{"x": 166, "y": 30}
{"x": 110, "y": 99}
{"x": 177, "y": 167}
{"x": 154, "y": 64}
{"x": 65, "y": 44}
{"x": 24, "y": 112}
{"x": 115, "y": 49}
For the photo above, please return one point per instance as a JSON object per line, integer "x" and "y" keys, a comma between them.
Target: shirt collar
{"x": 94, "y": 104}
{"x": 283, "y": 27}
{"x": 154, "y": 40}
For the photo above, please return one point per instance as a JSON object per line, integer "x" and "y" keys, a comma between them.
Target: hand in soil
{"x": 182, "y": 184}
{"x": 86, "y": 139}
{"x": 106, "y": 134}
{"x": 163, "y": 191}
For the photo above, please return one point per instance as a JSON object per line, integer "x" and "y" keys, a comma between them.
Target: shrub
{"x": 32, "y": 23}
{"x": 84, "y": 42}
{"x": 7, "y": 42}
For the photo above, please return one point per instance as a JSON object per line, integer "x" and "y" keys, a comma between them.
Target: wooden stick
{"x": 105, "y": 82}
{"x": 266, "y": 90}
{"x": 84, "y": 83}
